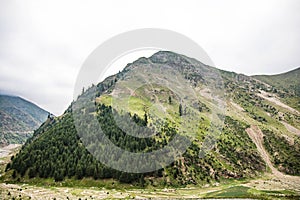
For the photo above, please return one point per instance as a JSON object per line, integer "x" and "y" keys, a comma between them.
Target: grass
{"x": 231, "y": 192}
{"x": 139, "y": 103}
{"x": 288, "y": 81}
{"x": 273, "y": 194}
{"x": 239, "y": 191}
{"x": 73, "y": 183}
{"x": 293, "y": 102}
{"x": 108, "y": 188}
{"x": 156, "y": 105}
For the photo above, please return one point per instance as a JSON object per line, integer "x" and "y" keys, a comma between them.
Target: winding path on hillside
{"x": 291, "y": 128}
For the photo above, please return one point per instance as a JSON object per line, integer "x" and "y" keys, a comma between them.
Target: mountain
{"x": 238, "y": 128}
{"x": 18, "y": 119}
{"x": 289, "y": 81}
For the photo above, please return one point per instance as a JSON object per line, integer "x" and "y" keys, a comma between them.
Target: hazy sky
{"x": 44, "y": 43}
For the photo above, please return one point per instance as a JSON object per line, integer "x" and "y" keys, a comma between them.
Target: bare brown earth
{"x": 236, "y": 106}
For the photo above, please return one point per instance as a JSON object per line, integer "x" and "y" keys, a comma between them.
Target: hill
{"x": 289, "y": 81}
{"x": 18, "y": 119}
{"x": 238, "y": 128}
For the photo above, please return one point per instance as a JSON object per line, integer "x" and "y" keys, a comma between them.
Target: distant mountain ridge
{"x": 288, "y": 81}
{"x": 18, "y": 119}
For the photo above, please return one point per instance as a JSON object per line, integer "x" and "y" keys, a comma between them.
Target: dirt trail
{"x": 279, "y": 180}
{"x": 256, "y": 135}
{"x": 238, "y": 107}
{"x": 291, "y": 128}
{"x": 274, "y": 99}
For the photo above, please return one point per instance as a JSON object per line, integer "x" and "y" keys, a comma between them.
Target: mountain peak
{"x": 167, "y": 56}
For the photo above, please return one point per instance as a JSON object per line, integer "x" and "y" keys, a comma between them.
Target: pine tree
{"x": 145, "y": 119}
{"x": 180, "y": 110}
{"x": 170, "y": 100}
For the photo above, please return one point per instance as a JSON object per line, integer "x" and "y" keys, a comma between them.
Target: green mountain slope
{"x": 18, "y": 119}
{"x": 289, "y": 81}
{"x": 56, "y": 150}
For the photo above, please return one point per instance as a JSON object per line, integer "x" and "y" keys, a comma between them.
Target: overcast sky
{"x": 44, "y": 43}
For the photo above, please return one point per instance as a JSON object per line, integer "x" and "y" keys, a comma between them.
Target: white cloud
{"x": 44, "y": 43}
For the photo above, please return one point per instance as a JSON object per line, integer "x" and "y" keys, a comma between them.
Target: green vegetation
{"x": 292, "y": 101}
{"x": 231, "y": 192}
{"x": 246, "y": 192}
{"x": 289, "y": 82}
{"x": 56, "y": 151}
{"x": 108, "y": 189}
{"x": 15, "y": 138}
{"x": 285, "y": 156}
{"x": 237, "y": 148}
{"x": 286, "y": 86}
{"x": 56, "y": 156}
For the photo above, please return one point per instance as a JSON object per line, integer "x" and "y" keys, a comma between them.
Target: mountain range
{"x": 18, "y": 119}
{"x": 252, "y": 122}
